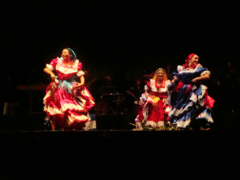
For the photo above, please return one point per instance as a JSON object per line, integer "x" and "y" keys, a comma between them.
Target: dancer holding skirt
{"x": 154, "y": 103}
{"x": 67, "y": 102}
{"x": 191, "y": 104}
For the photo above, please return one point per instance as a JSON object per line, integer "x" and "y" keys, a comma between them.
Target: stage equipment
{"x": 115, "y": 122}
{"x": 110, "y": 103}
{"x": 30, "y": 88}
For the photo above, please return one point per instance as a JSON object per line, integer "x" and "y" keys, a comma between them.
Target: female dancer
{"x": 189, "y": 98}
{"x": 67, "y": 102}
{"x": 154, "y": 102}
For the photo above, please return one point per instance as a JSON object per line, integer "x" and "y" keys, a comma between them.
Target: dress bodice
{"x": 157, "y": 90}
{"x": 187, "y": 75}
{"x": 66, "y": 72}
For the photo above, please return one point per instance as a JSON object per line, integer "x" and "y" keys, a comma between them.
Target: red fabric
{"x": 140, "y": 113}
{"x": 159, "y": 94}
{"x": 187, "y": 61}
{"x": 89, "y": 97}
{"x": 157, "y": 113}
{"x": 54, "y": 63}
{"x": 148, "y": 84}
{"x": 189, "y": 88}
{"x": 80, "y": 66}
{"x": 61, "y": 97}
{"x": 209, "y": 101}
{"x": 178, "y": 87}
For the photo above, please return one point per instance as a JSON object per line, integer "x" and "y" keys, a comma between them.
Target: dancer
{"x": 189, "y": 97}
{"x": 67, "y": 102}
{"x": 154, "y": 102}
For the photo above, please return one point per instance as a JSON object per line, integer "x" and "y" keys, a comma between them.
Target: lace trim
{"x": 204, "y": 115}
{"x": 64, "y": 107}
{"x": 154, "y": 89}
{"x": 90, "y": 125}
{"x": 67, "y": 70}
{"x": 193, "y": 97}
{"x": 180, "y": 68}
{"x": 82, "y": 117}
{"x": 52, "y": 88}
{"x": 153, "y": 124}
{"x": 183, "y": 124}
{"x": 191, "y": 70}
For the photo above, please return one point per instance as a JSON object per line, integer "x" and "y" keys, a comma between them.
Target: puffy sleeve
{"x": 52, "y": 64}
{"x": 79, "y": 66}
{"x": 206, "y": 72}
{"x": 168, "y": 83}
{"x": 79, "y": 71}
{"x": 201, "y": 71}
{"x": 147, "y": 86}
{"x": 180, "y": 68}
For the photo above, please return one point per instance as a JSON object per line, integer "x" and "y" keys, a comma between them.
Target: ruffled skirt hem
{"x": 68, "y": 108}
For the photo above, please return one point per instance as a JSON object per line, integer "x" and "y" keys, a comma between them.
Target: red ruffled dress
{"x": 156, "y": 107}
{"x": 65, "y": 103}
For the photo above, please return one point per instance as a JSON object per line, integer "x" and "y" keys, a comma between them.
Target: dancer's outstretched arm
{"x": 47, "y": 70}
{"x": 204, "y": 77}
{"x": 82, "y": 81}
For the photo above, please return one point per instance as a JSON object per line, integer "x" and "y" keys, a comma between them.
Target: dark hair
{"x": 73, "y": 55}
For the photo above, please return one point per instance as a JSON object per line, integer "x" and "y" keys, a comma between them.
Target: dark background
{"x": 122, "y": 39}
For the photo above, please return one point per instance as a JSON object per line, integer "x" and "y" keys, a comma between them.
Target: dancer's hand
{"x": 77, "y": 85}
{"x": 53, "y": 76}
{"x": 141, "y": 102}
{"x": 175, "y": 79}
{"x": 139, "y": 126}
{"x": 195, "y": 80}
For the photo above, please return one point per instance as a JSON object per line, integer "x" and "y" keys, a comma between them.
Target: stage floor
{"x": 35, "y": 122}
{"x": 118, "y": 153}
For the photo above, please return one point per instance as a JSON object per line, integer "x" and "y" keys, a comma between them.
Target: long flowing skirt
{"x": 68, "y": 106}
{"x": 154, "y": 112}
{"x": 190, "y": 102}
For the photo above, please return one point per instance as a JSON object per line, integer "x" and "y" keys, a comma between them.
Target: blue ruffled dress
{"x": 190, "y": 101}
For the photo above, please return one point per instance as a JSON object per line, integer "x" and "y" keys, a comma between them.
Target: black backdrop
{"x": 118, "y": 38}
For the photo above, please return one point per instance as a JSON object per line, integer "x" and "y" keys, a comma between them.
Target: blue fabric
{"x": 187, "y": 78}
{"x": 181, "y": 100}
{"x": 67, "y": 86}
{"x": 73, "y": 54}
{"x": 208, "y": 113}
